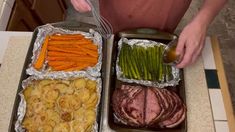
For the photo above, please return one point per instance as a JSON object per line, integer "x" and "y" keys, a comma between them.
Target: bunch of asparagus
{"x": 143, "y": 63}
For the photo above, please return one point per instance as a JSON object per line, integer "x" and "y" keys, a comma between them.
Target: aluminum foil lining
{"x": 48, "y": 29}
{"x": 22, "y": 105}
{"x": 146, "y": 43}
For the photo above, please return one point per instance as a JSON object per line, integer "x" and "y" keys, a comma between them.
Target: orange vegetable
{"x": 61, "y": 54}
{"x": 68, "y": 52}
{"x": 41, "y": 58}
{"x": 89, "y": 46}
{"x": 76, "y": 59}
{"x": 62, "y": 67}
{"x": 78, "y": 68}
{"x": 70, "y": 42}
{"x": 90, "y": 52}
{"x": 71, "y": 66}
{"x": 58, "y": 63}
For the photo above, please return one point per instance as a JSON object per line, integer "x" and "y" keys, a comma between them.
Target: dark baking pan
{"x": 108, "y": 123}
{"x": 71, "y": 25}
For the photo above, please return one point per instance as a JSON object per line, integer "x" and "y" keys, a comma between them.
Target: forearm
{"x": 208, "y": 11}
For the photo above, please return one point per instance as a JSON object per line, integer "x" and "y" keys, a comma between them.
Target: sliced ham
{"x": 153, "y": 109}
{"x": 148, "y": 107}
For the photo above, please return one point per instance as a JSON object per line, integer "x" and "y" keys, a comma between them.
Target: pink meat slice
{"x": 135, "y": 107}
{"x": 174, "y": 119}
{"x": 153, "y": 109}
{"x": 171, "y": 104}
{"x": 176, "y": 103}
{"x": 128, "y": 105}
{"x": 179, "y": 121}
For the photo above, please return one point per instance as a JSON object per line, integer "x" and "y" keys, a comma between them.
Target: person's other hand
{"x": 190, "y": 44}
{"x": 81, "y": 5}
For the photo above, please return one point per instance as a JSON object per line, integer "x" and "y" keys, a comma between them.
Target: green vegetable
{"x": 137, "y": 62}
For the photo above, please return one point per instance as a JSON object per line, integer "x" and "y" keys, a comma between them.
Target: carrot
{"x": 74, "y": 46}
{"x": 77, "y": 68}
{"x": 41, "y": 58}
{"x": 66, "y": 50}
{"x": 74, "y": 42}
{"x": 58, "y": 63}
{"x": 76, "y": 59}
{"x": 90, "y": 47}
{"x": 90, "y": 52}
{"x": 71, "y": 66}
{"x": 62, "y": 67}
{"x": 61, "y": 54}
{"x": 75, "y": 50}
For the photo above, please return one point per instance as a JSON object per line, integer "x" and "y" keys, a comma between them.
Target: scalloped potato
{"x": 61, "y": 106}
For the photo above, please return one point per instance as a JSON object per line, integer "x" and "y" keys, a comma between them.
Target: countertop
{"x": 199, "y": 114}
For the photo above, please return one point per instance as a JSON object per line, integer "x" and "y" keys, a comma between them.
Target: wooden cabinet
{"x": 28, "y": 14}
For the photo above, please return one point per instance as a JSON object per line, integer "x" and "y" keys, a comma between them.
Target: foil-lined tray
{"x": 108, "y": 119}
{"x": 29, "y": 81}
{"x": 165, "y": 80}
{"x": 95, "y": 73}
{"x": 49, "y": 29}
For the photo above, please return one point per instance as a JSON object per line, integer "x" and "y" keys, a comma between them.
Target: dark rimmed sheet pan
{"x": 107, "y": 117}
{"x": 70, "y": 25}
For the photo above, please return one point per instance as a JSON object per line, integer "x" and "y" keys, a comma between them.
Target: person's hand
{"x": 190, "y": 44}
{"x": 81, "y": 5}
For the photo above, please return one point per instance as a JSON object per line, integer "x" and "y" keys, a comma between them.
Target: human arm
{"x": 192, "y": 38}
{"x": 81, "y": 5}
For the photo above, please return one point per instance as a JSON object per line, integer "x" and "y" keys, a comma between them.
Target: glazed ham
{"x": 148, "y": 107}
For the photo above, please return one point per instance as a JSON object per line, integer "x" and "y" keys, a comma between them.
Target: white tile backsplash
{"x": 221, "y": 126}
{"x": 217, "y": 104}
{"x": 207, "y": 55}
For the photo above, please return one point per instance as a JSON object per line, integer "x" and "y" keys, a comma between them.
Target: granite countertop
{"x": 199, "y": 114}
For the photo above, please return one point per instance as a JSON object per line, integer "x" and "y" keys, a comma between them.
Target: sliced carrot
{"x": 90, "y": 47}
{"x": 61, "y": 54}
{"x": 41, "y": 58}
{"x": 74, "y": 42}
{"x": 77, "y": 68}
{"x": 57, "y": 63}
{"x": 66, "y": 50}
{"x": 62, "y": 67}
{"x": 90, "y": 52}
{"x": 76, "y": 59}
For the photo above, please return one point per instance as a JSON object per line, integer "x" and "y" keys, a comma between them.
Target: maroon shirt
{"x": 159, "y": 14}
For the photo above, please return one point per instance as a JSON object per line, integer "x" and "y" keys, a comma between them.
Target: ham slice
{"x": 148, "y": 107}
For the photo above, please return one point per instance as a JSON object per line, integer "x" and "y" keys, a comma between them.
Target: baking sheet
{"x": 111, "y": 82}
{"x": 74, "y": 25}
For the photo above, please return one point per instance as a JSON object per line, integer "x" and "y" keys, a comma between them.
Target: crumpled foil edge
{"x": 145, "y": 43}
{"x": 22, "y": 105}
{"x": 48, "y": 29}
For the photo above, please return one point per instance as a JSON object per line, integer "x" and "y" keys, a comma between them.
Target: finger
{"x": 195, "y": 56}
{"x": 181, "y": 45}
{"x": 81, "y": 5}
{"x": 85, "y": 5}
{"x": 76, "y": 5}
{"x": 198, "y": 51}
{"x": 187, "y": 58}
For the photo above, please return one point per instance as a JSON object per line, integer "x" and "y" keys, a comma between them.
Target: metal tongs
{"x": 103, "y": 25}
